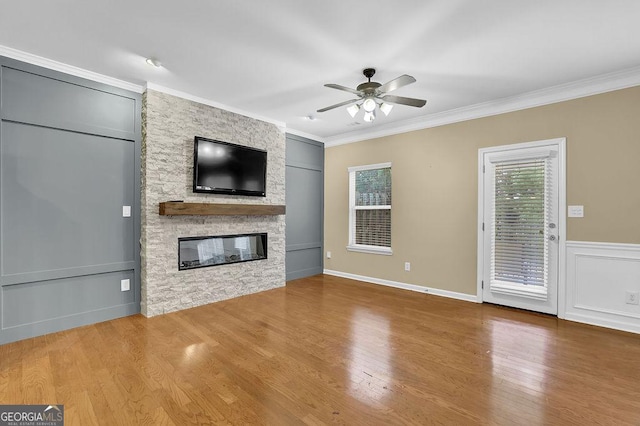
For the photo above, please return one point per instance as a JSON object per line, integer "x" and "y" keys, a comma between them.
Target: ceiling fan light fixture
{"x": 372, "y": 95}
{"x": 369, "y": 116}
{"x": 369, "y": 105}
{"x": 386, "y": 108}
{"x": 353, "y": 110}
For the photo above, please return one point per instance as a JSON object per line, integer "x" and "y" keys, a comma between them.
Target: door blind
{"x": 519, "y": 249}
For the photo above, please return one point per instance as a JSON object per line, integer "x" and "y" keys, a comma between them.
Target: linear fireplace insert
{"x": 199, "y": 252}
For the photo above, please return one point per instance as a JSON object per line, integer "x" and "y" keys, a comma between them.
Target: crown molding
{"x": 305, "y": 135}
{"x": 68, "y": 69}
{"x": 101, "y": 78}
{"x": 560, "y": 93}
{"x": 190, "y": 97}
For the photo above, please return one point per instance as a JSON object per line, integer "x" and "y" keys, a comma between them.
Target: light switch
{"x": 576, "y": 211}
{"x": 125, "y": 285}
{"x": 126, "y": 211}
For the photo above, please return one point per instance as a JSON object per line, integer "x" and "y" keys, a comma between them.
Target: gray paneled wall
{"x": 69, "y": 162}
{"x": 305, "y": 192}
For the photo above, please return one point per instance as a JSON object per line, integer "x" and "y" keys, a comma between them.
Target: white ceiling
{"x": 271, "y": 58}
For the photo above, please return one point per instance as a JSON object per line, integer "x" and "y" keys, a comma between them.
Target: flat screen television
{"x": 225, "y": 168}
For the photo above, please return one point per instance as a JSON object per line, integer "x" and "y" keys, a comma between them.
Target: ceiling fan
{"x": 373, "y": 94}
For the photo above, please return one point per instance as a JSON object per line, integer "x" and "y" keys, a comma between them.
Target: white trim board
{"x": 564, "y": 92}
{"x": 404, "y": 286}
{"x": 68, "y": 69}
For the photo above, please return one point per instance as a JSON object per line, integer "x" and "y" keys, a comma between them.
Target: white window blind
{"x": 519, "y": 249}
{"x": 370, "y": 208}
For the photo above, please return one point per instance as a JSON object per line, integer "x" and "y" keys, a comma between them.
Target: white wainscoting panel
{"x": 598, "y": 277}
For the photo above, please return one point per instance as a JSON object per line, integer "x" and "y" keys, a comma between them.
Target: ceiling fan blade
{"x": 396, "y": 83}
{"x": 345, "y": 88}
{"x": 419, "y": 103}
{"x": 338, "y": 105}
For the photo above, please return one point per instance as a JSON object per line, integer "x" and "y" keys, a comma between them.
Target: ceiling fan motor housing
{"x": 369, "y": 88}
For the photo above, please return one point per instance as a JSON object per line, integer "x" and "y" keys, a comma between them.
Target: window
{"x": 370, "y": 209}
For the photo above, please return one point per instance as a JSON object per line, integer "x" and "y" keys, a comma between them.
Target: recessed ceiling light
{"x": 153, "y": 62}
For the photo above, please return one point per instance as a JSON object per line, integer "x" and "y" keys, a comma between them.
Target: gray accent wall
{"x": 305, "y": 194}
{"x": 69, "y": 162}
{"x": 170, "y": 124}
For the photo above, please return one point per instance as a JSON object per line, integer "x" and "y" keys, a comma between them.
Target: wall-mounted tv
{"x": 225, "y": 168}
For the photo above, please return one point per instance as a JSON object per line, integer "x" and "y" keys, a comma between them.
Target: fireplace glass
{"x": 198, "y": 252}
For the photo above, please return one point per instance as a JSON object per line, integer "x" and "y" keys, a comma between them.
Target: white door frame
{"x": 560, "y": 143}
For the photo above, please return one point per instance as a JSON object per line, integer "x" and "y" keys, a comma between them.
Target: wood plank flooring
{"x": 329, "y": 350}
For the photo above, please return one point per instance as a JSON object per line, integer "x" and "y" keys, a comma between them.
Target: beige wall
{"x": 435, "y": 186}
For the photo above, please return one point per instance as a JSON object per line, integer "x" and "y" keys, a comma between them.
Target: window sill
{"x": 370, "y": 249}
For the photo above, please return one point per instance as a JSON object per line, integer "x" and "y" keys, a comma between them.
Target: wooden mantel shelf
{"x": 174, "y": 208}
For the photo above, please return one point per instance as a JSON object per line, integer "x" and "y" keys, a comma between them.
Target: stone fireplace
{"x": 169, "y": 125}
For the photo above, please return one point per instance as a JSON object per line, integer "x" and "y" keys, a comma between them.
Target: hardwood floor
{"x": 330, "y": 350}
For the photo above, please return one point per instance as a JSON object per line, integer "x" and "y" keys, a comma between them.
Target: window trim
{"x": 352, "y": 246}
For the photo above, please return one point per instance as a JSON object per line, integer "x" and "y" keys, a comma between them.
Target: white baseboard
{"x": 405, "y": 286}
{"x": 602, "y": 322}
{"x": 597, "y": 277}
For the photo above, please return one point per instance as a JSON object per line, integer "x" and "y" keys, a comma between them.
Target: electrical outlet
{"x": 328, "y": 255}
{"x": 631, "y": 298}
{"x": 125, "y": 285}
{"x": 407, "y": 266}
